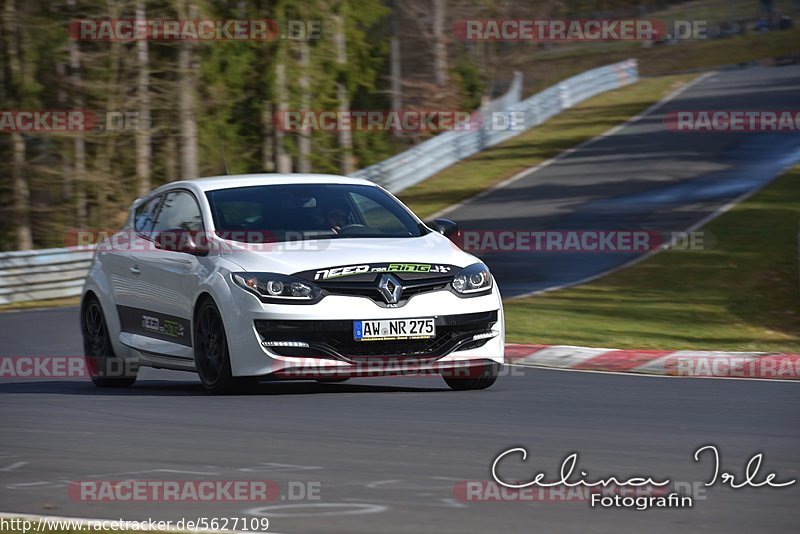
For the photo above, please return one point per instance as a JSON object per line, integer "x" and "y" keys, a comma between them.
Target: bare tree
{"x": 342, "y": 94}
{"x": 394, "y": 60}
{"x": 19, "y": 182}
{"x": 22, "y": 196}
{"x": 432, "y": 29}
{"x": 79, "y": 142}
{"x": 268, "y": 143}
{"x": 304, "y": 137}
{"x": 439, "y": 43}
{"x": 170, "y": 161}
{"x": 282, "y": 160}
{"x": 67, "y": 184}
{"x": 187, "y": 71}
{"x": 143, "y": 134}
{"x": 102, "y": 168}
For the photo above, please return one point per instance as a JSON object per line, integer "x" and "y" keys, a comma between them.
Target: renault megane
{"x": 261, "y": 277}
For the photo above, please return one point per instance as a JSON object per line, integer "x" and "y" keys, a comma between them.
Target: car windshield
{"x": 309, "y": 211}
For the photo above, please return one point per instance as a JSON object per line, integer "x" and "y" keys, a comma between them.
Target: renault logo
{"x": 390, "y": 288}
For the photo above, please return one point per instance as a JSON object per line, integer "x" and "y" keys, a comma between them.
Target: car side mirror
{"x": 446, "y": 227}
{"x": 182, "y": 241}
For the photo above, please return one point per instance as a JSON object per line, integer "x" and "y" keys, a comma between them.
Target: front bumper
{"x": 333, "y": 339}
{"x": 326, "y": 327}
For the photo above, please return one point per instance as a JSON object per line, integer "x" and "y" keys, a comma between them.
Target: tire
{"x": 480, "y": 378}
{"x": 105, "y": 368}
{"x": 211, "y": 357}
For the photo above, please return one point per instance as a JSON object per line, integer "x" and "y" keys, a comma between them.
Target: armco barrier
{"x": 428, "y": 158}
{"x": 42, "y": 274}
{"x": 59, "y": 272}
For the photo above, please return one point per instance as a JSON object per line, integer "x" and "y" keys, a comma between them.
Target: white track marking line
{"x": 373, "y": 485}
{"x": 147, "y": 471}
{"x": 13, "y": 466}
{"x": 327, "y": 510}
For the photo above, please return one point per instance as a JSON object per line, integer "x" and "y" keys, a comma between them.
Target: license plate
{"x": 388, "y": 329}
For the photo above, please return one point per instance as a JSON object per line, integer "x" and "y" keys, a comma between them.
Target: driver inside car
{"x": 335, "y": 216}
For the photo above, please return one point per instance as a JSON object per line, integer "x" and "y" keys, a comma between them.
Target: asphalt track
{"x": 644, "y": 177}
{"x": 386, "y": 453}
{"x": 390, "y": 451}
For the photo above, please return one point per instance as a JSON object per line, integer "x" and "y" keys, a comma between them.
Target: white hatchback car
{"x": 262, "y": 277}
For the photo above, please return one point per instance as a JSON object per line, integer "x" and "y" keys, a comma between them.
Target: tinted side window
{"x": 179, "y": 212}
{"x": 144, "y": 216}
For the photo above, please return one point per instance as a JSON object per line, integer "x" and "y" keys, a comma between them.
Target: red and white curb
{"x": 690, "y": 363}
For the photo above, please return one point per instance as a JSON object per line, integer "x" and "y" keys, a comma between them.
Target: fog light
{"x": 284, "y": 344}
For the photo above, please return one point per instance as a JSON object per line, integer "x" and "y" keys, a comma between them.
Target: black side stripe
{"x": 155, "y": 325}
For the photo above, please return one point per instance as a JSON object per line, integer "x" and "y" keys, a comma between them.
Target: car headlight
{"x": 473, "y": 280}
{"x": 274, "y": 287}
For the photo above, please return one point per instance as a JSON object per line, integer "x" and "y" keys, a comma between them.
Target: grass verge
{"x": 47, "y": 303}
{"x": 743, "y": 294}
{"x": 566, "y": 130}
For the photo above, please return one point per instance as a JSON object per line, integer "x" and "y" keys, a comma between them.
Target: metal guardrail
{"x": 59, "y": 272}
{"x": 428, "y": 158}
{"x": 42, "y": 274}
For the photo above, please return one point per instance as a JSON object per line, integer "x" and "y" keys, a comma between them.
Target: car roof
{"x": 245, "y": 180}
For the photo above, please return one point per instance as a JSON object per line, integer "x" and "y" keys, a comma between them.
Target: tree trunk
{"x": 22, "y": 201}
{"x": 186, "y": 104}
{"x": 268, "y": 144}
{"x": 143, "y": 141}
{"x": 102, "y": 175}
{"x": 439, "y": 44}
{"x": 22, "y": 196}
{"x": 67, "y": 185}
{"x": 394, "y": 60}
{"x": 79, "y": 141}
{"x": 170, "y": 162}
{"x": 282, "y": 160}
{"x": 342, "y": 94}
{"x": 304, "y": 138}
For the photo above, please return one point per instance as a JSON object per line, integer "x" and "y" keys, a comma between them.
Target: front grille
{"x": 369, "y": 289}
{"x": 334, "y": 339}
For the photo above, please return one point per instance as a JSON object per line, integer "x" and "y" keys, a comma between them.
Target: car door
{"x": 168, "y": 280}
{"x": 118, "y": 255}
